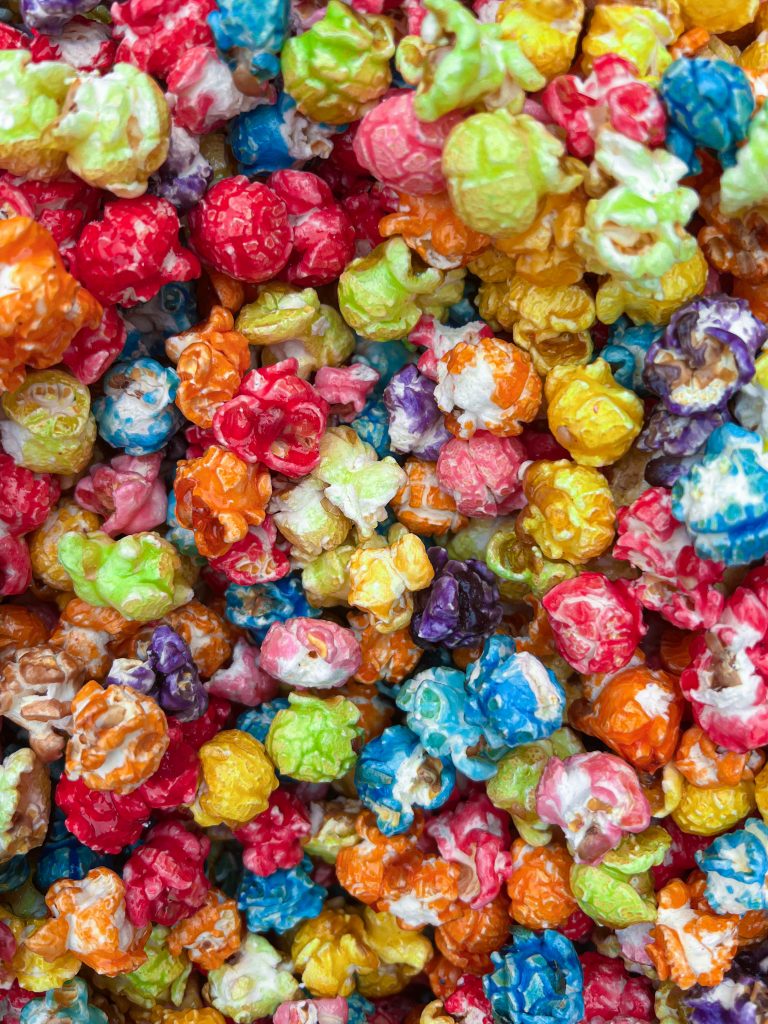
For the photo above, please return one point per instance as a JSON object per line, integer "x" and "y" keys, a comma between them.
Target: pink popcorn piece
{"x": 476, "y": 835}
{"x": 613, "y": 97}
{"x": 308, "y": 652}
{"x": 483, "y": 474}
{"x": 596, "y": 623}
{"x": 346, "y": 388}
{"x": 127, "y": 491}
{"x": 675, "y": 581}
{"x": 243, "y": 681}
{"x": 272, "y": 840}
{"x": 596, "y": 799}
{"x": 312, "y": 1011}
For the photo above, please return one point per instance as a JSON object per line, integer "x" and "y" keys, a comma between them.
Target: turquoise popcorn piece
{"x": 66, "y": 1005}
{"x": 626, "y": 350}
{"x": 723, "y": 500}
{"x": 736, "y": 865}
{"x": 435, "y": 702}
{"x": 137, "y": 412}
{"x": 258, "y": 28}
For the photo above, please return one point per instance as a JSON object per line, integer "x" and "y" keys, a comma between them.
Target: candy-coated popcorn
{"x": 592, "y": 416}
{"x": 114, "y": 153}
{"x": 204, "y": 94}
{"x": 736, "y": 865}
{"x": 535, "y": 977}
{"x": 596, "y": 623}
{"x": 683, "y": 281}
{"x": 132, "y": 252}
{"x": 501, "y": 197}
{"x": 90, "y": 921}
{"x": 570, "y": 511}
{"x": 346, "y": 388}
{"x": 461, "y": 606}
{"x": 382, "y": 296}
{"x": 256, "y": 558}
{"x": 333, "y": 828}
{"x": 19, "y": 627}
{"x": 273, "y": 839}
{"x": 384, "y": 578}
{"x": 482, "y": 473}
{"x": 611, "y": 96}
{"x": 707, "y": 812}
{"x": 35, "y": 96}
{"x": 723, "y": 528}
{"x": 436, "y": 704}
{"x": 164, "y": 877}
{"x": 139, "y": 576}
{"x": 399, "y": 148}
{"x": 458, "y": 61}
{"x": 211, "y": 359}
{"x": 395, "y": 774}
{"x": 595, "y": 798}
{"x": 741, "y": 186}
{"x": 538, "y": 885}
{"x": 49, "y": 427}
{"x": 206, "y": 634}
{"x": 314, "y": 653}
{"x": 68, "y": 1003}
{"x": 312, "y": 740}
{"x": 219, "y": 496}
{"x": 326, "y": 579}
{"x": 38, "y": 687}
{"x": 468, "y": 940}
{"x": 105, "y": 822}
{"x": 153, "y": 34}
{"x": 515, "y": 698}
{"x": 386, "y": 657}
{"x": 520, "y": 565}
{"x": 690, "y": 944}
{"x": 237, "y": 780}
{"x": 734, "y": 245}
{"x": 547, "y": 32}
{"x": 330, "y": 950}
{"x": 281, "y": 902}
{"x": 430, "y": 227}
{"x": 25, "y": 801}
{"x": 360, "y": 44}
{"x": 209, "y": 936}
{"x": 256, "y": 608}
{"x": 128, "y": 492}
{"x": 44, "y": 307}
{"x": 491, "y": 385}
{"x": 93, "y": 349}
{"x": 641, "y": 37}
{"x": 702, "y": 763}
{"x": 271, "y": 138}
{"x": 709, "y": 104}
{"x": 252, "y": 983}
{"x": 254, "y": 37}
{"x": 609, "y": 990}
{"x": 29, "y": 970}
{"x": 275, "y": 418}
{"x": 243, "y": 680}
{"x": 137, "y": 411}
{"x": 118, "y": 739}
{"x": 422, "y": 506}
{"x": 415, "y": 421}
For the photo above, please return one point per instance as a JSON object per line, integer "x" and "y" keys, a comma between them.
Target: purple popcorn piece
{"x": 180, "y": 691}
{"x": 184, "y": 177}
{"x": 50, "y": 16}
{"x": 460, "y": 608}
{"x": 416, "y": 424}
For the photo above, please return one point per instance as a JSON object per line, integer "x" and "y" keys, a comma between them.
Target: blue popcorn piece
{"x": 282, "y": 900}
{"x": 626, "y": 350}
{"x": 137, "y": 411}
{"x": 259, "y": 28}
{"x": 276, "y": 137}
{"x": 395, "y": 774}
{"x": 65, "y": 1005}
{"x": 257, "y": 608}
{"x": 372, "y": 426}
{"x": 736, "y": 865}
{"x": 709, "y": 105}
{"x": 435, "y": 702}
{"x": 723, "y": 499}
{"x": 516, "y": 699}
{"x": 536, "y": 979}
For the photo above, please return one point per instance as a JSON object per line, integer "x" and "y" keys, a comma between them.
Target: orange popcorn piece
{"x": 422, "y": 505}
{"x": 538, "y": 887}
{"x": 386, "y": 657}
{"x": 708, "y": 766}
{"x": 211, "y": 935}
{"x": 470, "y": 938}
{"x": 430, "y": 226}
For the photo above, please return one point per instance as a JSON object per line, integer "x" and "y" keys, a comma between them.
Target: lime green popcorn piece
{"x": 356, "y": 480}
{"x": 746, "y": 183}
{"x": 635, "y": 232}
{"x": 33, "y": 95}
{"x": 522, "y": 566}
{"x": 636, "y": 854}
{"x": 162, "y": 979}
{"x": 499, "y": 165}
{"x": 382, "y": 297}
{"x": 312, "y": 739}
{"x": 252, "y": 983}
{"x": 115, "y": 129}
{"x": 457, "y": 62}
{"x": 338, "y": 69}
{"x": 326, "y": 578}
{"x": 49, "y": 428}
{"x": 140, "y": 576}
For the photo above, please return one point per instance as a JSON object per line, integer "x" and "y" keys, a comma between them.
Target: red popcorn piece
{"x": 323, "y": 237}
{"x": 365, "y": 210}
{"x": 12, "y": 38}
{"x": 26, "y": 498}
{"x": 611, "y": 992}
{"x": 241, "y": 229}
{"x": 63, "y": 207}
{"x": 84, "y": 43}
{"x": 476, "y": 835}
{"x": 596, "y": 623}
{"x": 675, "y": 581}
{"x": 257, "y": 558}
{"x": 175, "y": 781}
{"x": 153, "y": 34}
{"x": 482, "y": 474}
{"x": 7, "y": 943}
{"x": 164, "y": 877}
{"x": 272, "y": 840}
{"x": 133, "y": 251}
{"x": 15, "y": 565}
{"x": 104, "y": 821}
{"x": 276, "y": 418}
{"x": 93, "y": 349}
{"x": 611, "y": 96}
